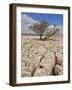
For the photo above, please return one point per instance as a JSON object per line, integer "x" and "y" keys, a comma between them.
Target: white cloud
{"x": 26, "y": 21}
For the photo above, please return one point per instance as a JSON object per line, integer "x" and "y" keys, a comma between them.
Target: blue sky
{"x": 50, "y": 18}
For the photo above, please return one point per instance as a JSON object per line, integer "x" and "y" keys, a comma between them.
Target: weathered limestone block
{"x": 59, "y": 58}
{"x": 31, "y": 60}
{"x": 54, "y": 49}
{"x": 25, "y": 73}
{"x": 61, "y": 51}
{"x": 27, "y": 66}
{"x": 26, "y": 46}
{"x": 37, "y": 49}
{"x": 36, "y": 60}
{"x": 24, "y": 58}
{"x": 40, "y": 71}
{"x": 58, "y": 69}
{"x": 32, "y": 49}
{"x": 46, "y": 65}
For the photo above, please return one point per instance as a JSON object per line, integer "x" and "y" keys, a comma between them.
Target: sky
{"x": 50, "y": 18}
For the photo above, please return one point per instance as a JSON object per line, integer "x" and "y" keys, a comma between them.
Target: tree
{"x": 51, "y": 33}
{"x": 39, "y": 28}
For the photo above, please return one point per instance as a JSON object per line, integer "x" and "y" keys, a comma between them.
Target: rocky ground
{"x": 41, "y": 58}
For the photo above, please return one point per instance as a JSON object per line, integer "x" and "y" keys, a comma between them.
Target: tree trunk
{"x": 40, "y": 36}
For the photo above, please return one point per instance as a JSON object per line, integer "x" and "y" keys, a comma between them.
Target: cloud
{"x": 26, "y": 21}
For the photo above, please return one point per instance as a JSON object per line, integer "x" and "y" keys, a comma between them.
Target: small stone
{"x": 58, "y": 70}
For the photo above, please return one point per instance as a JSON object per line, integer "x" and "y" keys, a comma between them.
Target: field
{"x": 41, "y": 57}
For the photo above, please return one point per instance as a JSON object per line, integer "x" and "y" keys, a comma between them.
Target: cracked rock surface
{"x": 41, "y": 58}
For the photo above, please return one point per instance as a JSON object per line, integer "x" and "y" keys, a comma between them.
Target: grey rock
{"x": 58, "y": 70}
{"x": 32, "y": 49}
{"x": 27, "y": 66}
{"x": 26, "y": 74}
{"x": 59, "y": 58}
{"x": 46, "y": 65}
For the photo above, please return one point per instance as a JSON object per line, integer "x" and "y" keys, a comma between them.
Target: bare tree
{"x": 39, "y": 28}
{"x": 51, "y": 33}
